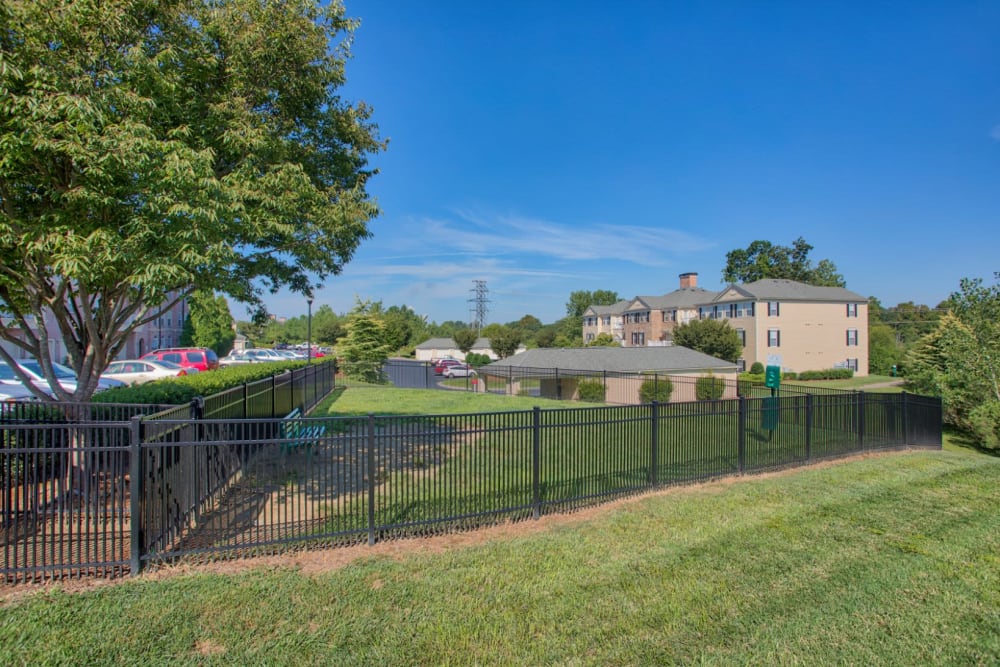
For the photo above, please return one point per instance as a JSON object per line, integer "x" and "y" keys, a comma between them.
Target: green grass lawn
{"x": 385, "y": 400}
{"x": 860, "y": 383}
{"x": 884, "y": 560}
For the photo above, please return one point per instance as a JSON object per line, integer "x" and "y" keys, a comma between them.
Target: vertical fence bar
{"x": 371, "y": 479}
{"x": 654, "y": 444}
{"x": 741, "y": 434}
{"x": 906, "y": 419}
{"x": 861, "y": 420}
{"x": 809, "y": 422}
{"x": 135, "y": 496}
{"x": 536, "y": 464}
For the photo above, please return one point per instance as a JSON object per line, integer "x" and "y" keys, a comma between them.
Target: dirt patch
{"x": 319, "y": 562}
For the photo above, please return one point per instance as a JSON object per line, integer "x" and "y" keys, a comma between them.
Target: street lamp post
{"x": 309, "y": 331}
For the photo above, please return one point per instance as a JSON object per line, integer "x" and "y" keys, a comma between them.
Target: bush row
{"x": 825, "y": 374}
{"x": 175, "y": 391}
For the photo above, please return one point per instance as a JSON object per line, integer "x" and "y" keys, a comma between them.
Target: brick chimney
{"x": 689, "y": 280}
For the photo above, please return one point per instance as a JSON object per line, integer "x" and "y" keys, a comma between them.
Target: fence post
{"x": 274, "y": 395}
{"x": 861, "y": 420}
{"x": 741, "y": 434}
{"x": 809, "y": 422}
{"x": 536, "y": 466}
{"x": 135, "y": 496}
{"x": 371, "y": 479}
{"x": 654, "y": 445}
{"x": 906, "y": 420}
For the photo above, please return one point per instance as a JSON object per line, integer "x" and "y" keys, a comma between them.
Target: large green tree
{"x": 151, "y": 148}
{"x": 580, "y": 300}
{"x": 960, "y": 360}
{"x": 211, "y": 322}
{"x": 712, "y": 337}
{"x": 504, "y": 341}
{"x": 763, "y": 259}
{"x": 365, "y": 348}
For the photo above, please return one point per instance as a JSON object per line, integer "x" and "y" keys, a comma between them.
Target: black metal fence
{"x": 611, "y": 387}
{"x": 168, "y": 487}
{"x": 68, "y": 483}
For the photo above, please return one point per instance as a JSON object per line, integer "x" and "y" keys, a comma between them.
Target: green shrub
{"x": 757, "y": 368}
{"x": 477, "y": 360}
{"x": 709, "y": 388}
{"x": 591, "y": 391}
{"x": 175, "y": 391}
{"x": 827, "y": 374}
{"x": 790, "y": 375}
{"x": 984, "y": 420}
{"x": 656, "y": 389}
{"x": 752, "y": 377}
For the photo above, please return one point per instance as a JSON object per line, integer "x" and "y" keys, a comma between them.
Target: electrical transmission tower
{"x": 479, "y": 306}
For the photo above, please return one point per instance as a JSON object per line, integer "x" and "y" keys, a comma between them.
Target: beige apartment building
{"x": 793, "y": 325}
{"x": 604, "y": 319}
{"x": 796, "y": 326}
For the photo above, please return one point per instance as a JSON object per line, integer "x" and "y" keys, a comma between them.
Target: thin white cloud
{"x": 503, "y": 235}
{"x": 995, "y": 133}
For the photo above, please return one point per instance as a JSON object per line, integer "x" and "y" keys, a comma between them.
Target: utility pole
{"x": 479, "y": 306}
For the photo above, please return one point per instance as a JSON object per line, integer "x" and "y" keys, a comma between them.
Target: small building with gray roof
{"x": 558, "y": 371}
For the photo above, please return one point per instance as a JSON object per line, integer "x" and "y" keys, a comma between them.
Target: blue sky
{"x": 546, "y": 147}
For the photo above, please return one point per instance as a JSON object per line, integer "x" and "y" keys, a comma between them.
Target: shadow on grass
{"x": 964, "y": 441}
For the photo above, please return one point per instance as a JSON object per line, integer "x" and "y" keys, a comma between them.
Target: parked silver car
{"x": 65, "y": 376}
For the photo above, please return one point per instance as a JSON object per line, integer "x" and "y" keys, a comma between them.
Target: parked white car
{"x": 11, "y": 392}
{"x": 459, "y": 371}
{"x": 138, "y": 371}
{"x": 65, "y": 376}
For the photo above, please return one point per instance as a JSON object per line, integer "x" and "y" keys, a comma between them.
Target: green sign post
{"x": 771, "y": 405}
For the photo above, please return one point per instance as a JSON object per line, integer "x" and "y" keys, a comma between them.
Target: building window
{"x": 772, "y": 309}
{"x": 852, "y": 310}
{"x": 853, "y": 364}
{"x": 741, "y": 365}
{"x": 638, "y": 338}
{"x": 773, "y": 338}
{"x": 590, "y": 337}
{"x": 607, "y": 321}
{"x": 852, "y": 337}
{"x": 743, "y": 336}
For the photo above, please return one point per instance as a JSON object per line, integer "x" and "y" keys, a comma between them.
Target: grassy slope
{"x": 889, "y": 559}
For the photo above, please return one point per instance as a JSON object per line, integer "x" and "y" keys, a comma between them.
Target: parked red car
{"x": 201, "y": 358}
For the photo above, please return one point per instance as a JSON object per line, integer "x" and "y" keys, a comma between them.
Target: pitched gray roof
{"x": 620, "y": 359}
{"x": 685, "y": 297}
{"x": 449, "y": 344}
{"x": 614, "y": 309}
{"x": 771, "y": 289}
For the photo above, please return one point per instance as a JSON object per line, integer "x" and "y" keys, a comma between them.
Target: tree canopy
{"x": 960, "y": 360}
{"x": 580, "y": 300}
{"x": 712, "y": 337}
{"x": 763, "y": 259}
{"x": 151, "y": 148}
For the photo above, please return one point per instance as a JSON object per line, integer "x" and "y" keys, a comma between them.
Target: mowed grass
{"x": 385, "y": 400}
{"x": 885, "y": 560}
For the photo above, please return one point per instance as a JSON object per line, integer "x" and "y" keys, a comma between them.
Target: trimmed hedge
{"x": 827, "y": 374}
{"x": 757, "y": 368}
{"x": 658, "y": 390}
{"x": 176, "y": 391}
{"x": 709, "y": 388}
{"x": 591, "y": 391}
